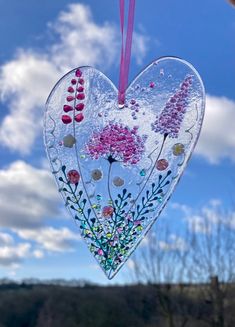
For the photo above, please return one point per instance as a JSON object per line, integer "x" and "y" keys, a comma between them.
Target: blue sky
{"x": 37, "y": 237}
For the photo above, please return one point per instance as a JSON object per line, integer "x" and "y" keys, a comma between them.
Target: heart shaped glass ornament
{"x": 116, "y": 166}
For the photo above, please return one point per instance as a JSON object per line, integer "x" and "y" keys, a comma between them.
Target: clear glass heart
{"x": 116, "y": 166}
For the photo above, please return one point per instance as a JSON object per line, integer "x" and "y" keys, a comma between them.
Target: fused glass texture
{"x": 116, "y": 167}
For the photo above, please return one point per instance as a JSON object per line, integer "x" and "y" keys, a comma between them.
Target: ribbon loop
{"x": 125, "y": 51}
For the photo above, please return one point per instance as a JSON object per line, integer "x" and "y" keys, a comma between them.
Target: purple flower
{"x": 116, "y": 142}
{"x": 171, "y": 117}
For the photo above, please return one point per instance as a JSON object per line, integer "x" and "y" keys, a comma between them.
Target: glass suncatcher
{"x": 117, "y": 155}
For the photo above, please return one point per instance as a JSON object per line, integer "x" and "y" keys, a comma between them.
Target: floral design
{"x": 116, "y": 142}
{"x": 76, "y": 92}
{"x": 114, "y": 179}
{"x": 112, "y": 227}
{"x": 170, "y": 119}
{"x": 111, "y": 241}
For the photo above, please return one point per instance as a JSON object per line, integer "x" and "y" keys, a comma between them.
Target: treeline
{"x": 120, "y": 306}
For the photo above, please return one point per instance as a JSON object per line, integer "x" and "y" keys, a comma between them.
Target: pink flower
{"x": 162, "y": 164}
{"x": 107, "y": 211}
{"x": 171, "y": 117}
{"x": 73, "y": 176}
{"x": 116, "y": 142}
{"x": 100, "y": 252}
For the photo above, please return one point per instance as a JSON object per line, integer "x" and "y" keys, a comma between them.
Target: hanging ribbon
{"x": 125, "y": 51}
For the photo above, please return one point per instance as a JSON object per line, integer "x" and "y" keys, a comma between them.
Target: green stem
{"x": 109, "y": 190}
{"x": 163, "y": 142}
{"x": 82, "y": 210}
{"x": 145, "y": 205}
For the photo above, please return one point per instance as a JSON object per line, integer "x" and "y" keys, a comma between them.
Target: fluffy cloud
{"x": 82, "y": 41}
{"x": 26, "y": 81}
{"x": 130, "y": 264}
{"x": 217, "y": 140}
{"x": 174, "y": 243}
{"x": 51, "y": 239}
{"x": 40, "y": 241}
{"x": 24, "y": 85}
{"x": 10, "y": 253}
{"x": 208, "y": 218}
{"x": 5, "y": 239}
{"x": 28, "y": 195}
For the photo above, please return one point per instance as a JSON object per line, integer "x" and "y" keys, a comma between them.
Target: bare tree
{"x": 192, "y": 274}
{"x": 211, "y": 262}
{"x": 161, "y": 263}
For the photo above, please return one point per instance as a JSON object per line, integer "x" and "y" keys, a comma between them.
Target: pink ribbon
{"x": 125, "y": 51}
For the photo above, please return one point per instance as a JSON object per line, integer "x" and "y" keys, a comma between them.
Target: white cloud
{"x": 140, "y": 47}
{"x": 26, "y": 81}
{"x": 174, "y": 243}
{"x": 12, "y": 254}
{"x": 163, "y": 239}
{"x": 28, "y": 195}
{"x": 82, "y": 41}
{"x": 24, "y": 85}
{"x": 6, "y": 239}
{"x": 40, "y": 241}
{"x": 50, "y": 239}
{"x": 208, "y": 218}
{"x": 198, "y": 224}
{"x": 38, "y": 254}
{"x": 145, "y": 241}
{"x": 217, "y": 140}
{"x": 182, "y": 207}
{"x": 130, "y": 264}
